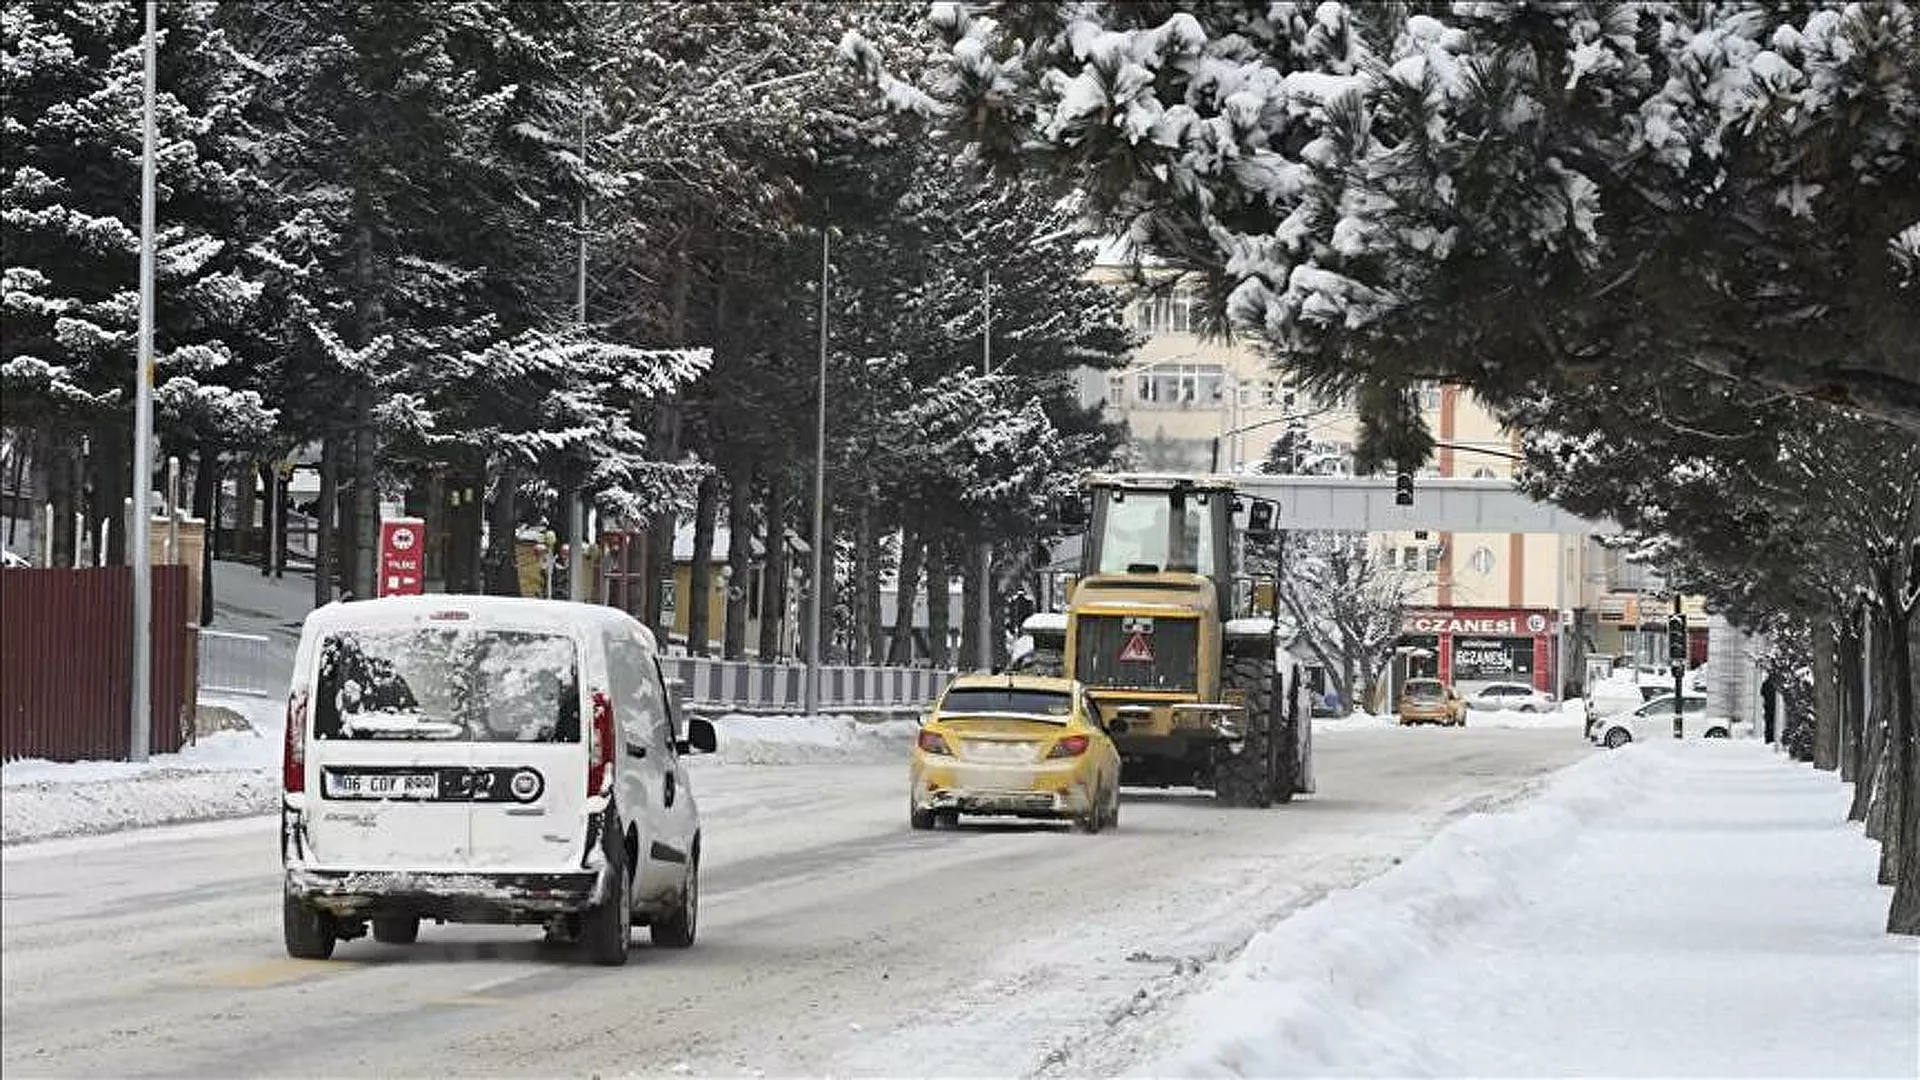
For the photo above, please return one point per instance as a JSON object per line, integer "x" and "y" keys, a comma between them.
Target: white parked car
{"x": 1511, "y": 696}
{"x": 1654, "y": 720}
{"x": 488, "y": 760}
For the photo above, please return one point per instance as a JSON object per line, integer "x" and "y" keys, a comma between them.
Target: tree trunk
{"x": 739, "y": 560}
{"x": 465, "y": 499}
{"x": 1903, "y": 832}
{"x": 900, "y": 650}
{"x": 62, "y": 492}
{"x": 870, "y": 599}
{"x": 939, "y": 584}
{"x": 111, "y": 446}
{"x": 503, "y": 518}
{"x": 38, "y": 458}
{"x": 700, "y": 573}
{"x": 347, "y": 552}
{"x": 323, "y": 511}
{"x": 865, "y": 627}
{"x": 206, "y": 507}
{"x": 366, "y": 497}
{"x": 660, "y": 575}
{"x": 246, "y": 507}
{"x": 1826, "y": 699}
{"x": 1874, "y": 727}
{"x": 773, "y": 576}
{"x": 1852, "y": 695}
{"x": 972, "y": 592}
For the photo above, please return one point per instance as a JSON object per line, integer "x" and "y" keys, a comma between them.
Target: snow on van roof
{"x": 398, "y": 610}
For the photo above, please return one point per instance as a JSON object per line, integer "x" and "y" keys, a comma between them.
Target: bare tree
{"x": 1346, "y": 605}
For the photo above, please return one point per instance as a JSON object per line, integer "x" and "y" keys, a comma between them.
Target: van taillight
{"x": 600, "y": 745}
{"x": 293, "y": 756}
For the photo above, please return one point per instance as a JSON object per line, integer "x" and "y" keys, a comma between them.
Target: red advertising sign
{"x": 403, "y": 546}
{"x": 1489, "y": 622}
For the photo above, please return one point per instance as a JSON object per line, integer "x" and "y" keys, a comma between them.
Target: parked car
{"x": 1029, "y": 746}
{"x": 486, "y": 760}
{"x": 1611, "y": 697}
{"x": 1654, "y": 720}
{"x": 10, "y": 561}
{"x": 1511, "y": 696}
{"x": 1430, "y": 701}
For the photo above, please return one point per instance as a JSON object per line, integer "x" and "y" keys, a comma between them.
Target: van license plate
{"x": 382, "y": 785}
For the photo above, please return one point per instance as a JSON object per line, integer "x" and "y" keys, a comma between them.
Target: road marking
{"x": 494, "y": 984}
{"x": 467, "y": 999}
{"x": 276, "y": 972}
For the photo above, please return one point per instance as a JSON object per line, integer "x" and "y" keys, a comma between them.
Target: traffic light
{"x": 1677, "y": 638}
{"x": 1403, "y": 489}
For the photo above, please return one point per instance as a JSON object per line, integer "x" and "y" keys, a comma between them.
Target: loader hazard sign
{"x": 1138, "y": 650}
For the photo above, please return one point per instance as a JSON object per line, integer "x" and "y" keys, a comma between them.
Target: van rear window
{"x": 448, "y": 684}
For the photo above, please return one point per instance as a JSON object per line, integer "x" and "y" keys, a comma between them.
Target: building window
{"x": 1484, "y": 473}
{"x": 1171, "y": 314}
{"x": 1429, "y": 396}
{"x": 1412, "y": 559}
{"x": 1482, "y": 561}
{"x": 1391, "y": 556}
{"x": 1117, "y": 391}
{"x": 1183, "y": 384}
{"x": 1433, "y": 557}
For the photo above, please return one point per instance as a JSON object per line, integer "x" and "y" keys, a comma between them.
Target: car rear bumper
{"x": 1044, "y": 792}
{"x": 453, "y": 895}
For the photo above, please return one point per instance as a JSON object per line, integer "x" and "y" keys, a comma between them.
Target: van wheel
{"x": 398, "y": 930}
{"x": 310, "y": 932}
{"x": 607, "y": 930}
{"x": 677, "y": 929}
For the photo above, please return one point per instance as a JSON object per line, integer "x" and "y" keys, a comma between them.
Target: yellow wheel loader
{"x": 1171, "y": 642}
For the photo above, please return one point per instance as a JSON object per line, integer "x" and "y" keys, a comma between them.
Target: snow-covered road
{"x": 832, "y": 938}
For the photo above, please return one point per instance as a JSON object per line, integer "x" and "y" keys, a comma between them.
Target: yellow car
{"x": 1430, "y": 701}
{"x": 1029, "y": 746}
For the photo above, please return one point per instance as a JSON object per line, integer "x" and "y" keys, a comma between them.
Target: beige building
{"x": 1491, "y": 606}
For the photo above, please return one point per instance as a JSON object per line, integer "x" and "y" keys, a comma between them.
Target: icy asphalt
{"x": 833, "y": 940}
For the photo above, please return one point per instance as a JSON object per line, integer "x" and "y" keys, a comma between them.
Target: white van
{"x": 490, "y": 760}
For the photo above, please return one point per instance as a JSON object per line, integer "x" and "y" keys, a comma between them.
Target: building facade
{"x": 1487, "y": 606}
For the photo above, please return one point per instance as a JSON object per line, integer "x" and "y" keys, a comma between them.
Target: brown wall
{"x": 66, "y": 662}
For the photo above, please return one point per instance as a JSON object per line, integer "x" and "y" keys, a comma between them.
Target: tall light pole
{"x": 576, "y": 502}
{"x": 139, "y": 544}
{"x": 983, "y": 623}
{"x": 819, "y": 494}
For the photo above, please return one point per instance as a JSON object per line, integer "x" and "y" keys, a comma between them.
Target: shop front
{"x": 1470, "y": 647}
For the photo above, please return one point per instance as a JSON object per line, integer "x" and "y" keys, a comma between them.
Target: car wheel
{"x": 1095, "y": 817}
{"x": 947, "y": 819}
{"x": 607, "y": 930}
{"x": 919, "y": 819}
{"x": 398, "y": 930}
{"x": 1528, "y": 708}
{"x": 1717, "y": 733}
{"x": 1113, "y": 811}
{"x": 310, "y": 932}
{"x": 677, "y": 930}
{"x": 1616, "y": 738}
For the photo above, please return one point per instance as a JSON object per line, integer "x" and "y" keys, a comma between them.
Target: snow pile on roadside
{"x": 1659, "y": 911}
{"x": 226, "y": 774}
{"x": 806, "y": 740}
{"x": 1359, "y": 718}
{"x": 1296, "y": 1000}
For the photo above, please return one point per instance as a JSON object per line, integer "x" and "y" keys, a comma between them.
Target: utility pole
{"x": 983, "y": 629}
{"x": 140, "y": 548}
{"x": 818, "y": 601}
{"x": 576, "y": 503}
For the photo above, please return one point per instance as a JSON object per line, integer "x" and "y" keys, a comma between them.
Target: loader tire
{"x": 1247, "y": 778}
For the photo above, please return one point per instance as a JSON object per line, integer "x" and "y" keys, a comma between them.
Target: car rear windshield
{"x": 1420, "y": 690}
{"x": 448, "y": 684}
{"x": 1051, "y": 704}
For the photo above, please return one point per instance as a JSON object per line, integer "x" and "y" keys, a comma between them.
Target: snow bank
{"x": 1659, "y": 911}
{"x": 1296, "y": 1000}
{"x": 805, "y": 740}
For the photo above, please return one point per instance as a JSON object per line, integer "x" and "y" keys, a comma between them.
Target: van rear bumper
{"x": 452, "y": 895}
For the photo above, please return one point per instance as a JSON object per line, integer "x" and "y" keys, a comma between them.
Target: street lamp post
{"x": 140, "y": 544}
{"x": 819, "y": 494}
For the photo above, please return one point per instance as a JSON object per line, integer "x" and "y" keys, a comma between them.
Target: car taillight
{"x": 600, "y": 745}
{"x": 935, "y": 743}
{"x": 1069, "y": 746}
{"x": 293, "y": 755}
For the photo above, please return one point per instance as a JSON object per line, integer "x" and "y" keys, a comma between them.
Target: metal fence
{"x": 747, "y": 685}
{"x": 66, "y": 662}
{"x": 246, "y": 664}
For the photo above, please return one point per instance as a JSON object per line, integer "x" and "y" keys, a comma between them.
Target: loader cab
{"x": 1176, "y": 526}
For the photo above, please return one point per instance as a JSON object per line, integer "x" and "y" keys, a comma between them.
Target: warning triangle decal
{"x": 1137, "y": 651}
